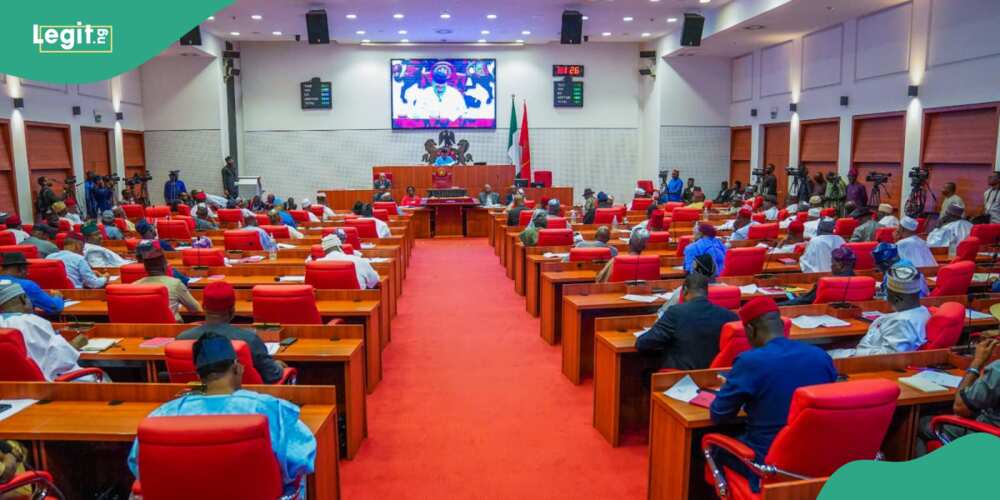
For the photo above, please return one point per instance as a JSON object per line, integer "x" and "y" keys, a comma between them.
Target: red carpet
{"x": 473, "y": 403}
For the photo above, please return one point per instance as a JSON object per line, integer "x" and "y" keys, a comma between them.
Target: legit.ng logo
{"x": 74, "y": 39}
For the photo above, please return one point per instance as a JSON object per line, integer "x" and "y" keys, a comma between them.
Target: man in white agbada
{"x": 812, "y": 223}
{"x": 328, "y": 212}
{"x": 770, "y": 208}
{"x": 367, "y": 276}
{"x": 903, "y": 330}
{"x": 380, "y": 227}
{"x": 305, "y": 206}
{"x": 885, "y": 217}
{"x": 912, "y": 247}
{"x": 793, "y": 211}
{"x": 97, "y": 255}
{"x": 50, "y": 351}
{"x": 951, "y": 229}
{"x": 742, "y": 225}
{"x": 818, "y": 255}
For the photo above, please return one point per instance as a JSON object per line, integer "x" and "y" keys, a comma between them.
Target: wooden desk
{"x": 80, "y": 412}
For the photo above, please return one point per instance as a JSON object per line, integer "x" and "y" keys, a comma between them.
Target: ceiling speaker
{"x": 317, "y": 27}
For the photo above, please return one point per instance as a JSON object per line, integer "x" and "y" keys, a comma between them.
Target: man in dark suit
{"x": 514, "y": 213}
{"x": 488, "y": 197}
{"x": 687, "y": 335}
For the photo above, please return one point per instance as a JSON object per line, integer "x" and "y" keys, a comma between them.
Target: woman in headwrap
{"x": 539, "y": 220}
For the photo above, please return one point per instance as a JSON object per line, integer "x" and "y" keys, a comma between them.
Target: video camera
{"x": 878, "y": 177}
{"x": 759, "y": 172}
{"x": 800, "y": 171}
{"x": 919, "y": 175}
{"x": 139, "y": 179}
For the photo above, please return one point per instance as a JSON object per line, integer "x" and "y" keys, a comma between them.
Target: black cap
{"x": 14, "y": 259}
{"x": 588, "y": 191}
{"x": 860, "y": 212}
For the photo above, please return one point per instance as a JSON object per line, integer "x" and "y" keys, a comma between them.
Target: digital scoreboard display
{"x": 571, "y": 70}
{"x": 316, "y": 94}
{"x": 567, "y": 94}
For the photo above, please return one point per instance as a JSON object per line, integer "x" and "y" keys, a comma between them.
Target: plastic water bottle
{"x": 272, "y": 254}
{"x": 614, "y": 223}
{"x": 572, "y": 216}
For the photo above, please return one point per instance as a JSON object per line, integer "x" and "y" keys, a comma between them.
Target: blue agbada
{"x": 293, "y": 443}
{"x": 675, "y": 190}
{"x": 705, "y": 245}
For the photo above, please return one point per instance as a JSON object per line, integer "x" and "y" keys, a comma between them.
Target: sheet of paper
{"x": 291, "y": 279}
{"x": 972, "y": 314}
{"x": 640, "y": 332}
{"x": 194, "y": 279}
{"x": 70, "y": 303}
{"x": 982, "y": 276}
{"x": 872, "y": 315}
{"x": 286, "y": 246}
{"x": 749, "y": 289}
{"x": 16, "y": 405}
{"x": 367, "y": 246}
{"x": 156, "y": 342}
{"x": 114, "y": 278}
{"x": 939, "y": 378}
{"x": 99, "y": 345}
{"x": 810, "y": 322}
{"x": 272, "y": 348}
{"x": 684, "y": 390}
{"x": 646, "y": 299}
{"x": 378, "y": 260}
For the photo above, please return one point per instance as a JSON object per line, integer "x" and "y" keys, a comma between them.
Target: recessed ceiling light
{"x": 704, "y": 1}
{"x": 445, "y": 15}
{"x": 351, "y": 16}
{"x": 404, "y": 41}
{"x": 398, "y": 16}
{"x": 519, "y": 41}
{"x": 628, "y": 19}
{"x": 234, "y": 33}
{"x": 276, "y": 33}
{"x": 481, "y": 40}
{"x": 359, "y": 32}
{"x": 211, "y": 18}
{"x": 586, "y": 18}
{"x": 754, "y": 27}
{"x": 671, "y": 19}
{"x": 606, "y": 33}
{"x": 654, "y": 1}
{"x": 484, "y": 32}
{"x": 645, "y": 35}
{"x": 256, "y": 17}
{"x": 491, "y": 16}
{"x": 366, "y": 41}
{"x": 525, "y": 32}
{"x": 401, "y": 32}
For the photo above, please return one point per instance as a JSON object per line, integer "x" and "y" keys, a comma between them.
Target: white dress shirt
{"x": 771, "y": 213}
{"x": 98, "y": 256}
{"x": 902, "y": 331}
{"x": 915, "y": 250}
{"x": 19, "y": 235}
{"x": 50, "y": 351}
{"x": 889, "y": 221}
{"x": 949, "y": 235}
{"x": 367, "y": 276}
{"x": 811, "y": 227}
{"x": 742, "y": 233}
{"x": 817, "y": 257}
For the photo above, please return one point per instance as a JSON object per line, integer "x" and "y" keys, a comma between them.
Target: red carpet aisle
{"x": 473, "y": 404}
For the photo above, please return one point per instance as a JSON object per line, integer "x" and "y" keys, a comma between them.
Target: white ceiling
{"x": 422, "y": 20}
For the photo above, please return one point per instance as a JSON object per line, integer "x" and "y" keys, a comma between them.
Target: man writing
{"x": 78, "y": 270}
{"x": 15, "y": 269}
{"x": 817, "y": 257}
{"x": 50, "y": 351}
{"x": 41, "y": 234}
{"x": 97, "y": 255}
{"x": 229, "y": 188}
{"x": 333, "y": 248}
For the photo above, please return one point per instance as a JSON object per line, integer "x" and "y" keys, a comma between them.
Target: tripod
{"x": 917, "y": 201}
{"x": 875, "y": 197}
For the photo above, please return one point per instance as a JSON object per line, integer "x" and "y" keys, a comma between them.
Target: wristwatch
{"x": 973, "y": 370}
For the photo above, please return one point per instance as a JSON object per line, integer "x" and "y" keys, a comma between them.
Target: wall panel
{"x": 883, "y": 42}
{"x": 739, "y": 154}
{"x": 776, "y": 147}
{"x": 960, "y": 146}
{"x": 776, "y": 69}
{"x": 743, "y": 78}
{"x": 8, "y": 190}
{"x": 822, "y": 55}
{"x": 96, "y": 150}
{"x": 878, "y": 147}
{"x": 49, "y": 153}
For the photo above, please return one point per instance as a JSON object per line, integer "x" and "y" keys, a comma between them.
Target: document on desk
{"x": 378, "y": 260}
{"x": 921, "y": 384}
{"x": 272, "y": 348}
{"x": 645, "y": 299}
{"x": 286, "y": 246}
{"x": 871, "y": 315}
{"x": 810, "y": 322}
{"x": 70, "y": 303}
{"x": 749, "y": 289}
{"x": 113, "y": 278}
{"x": 973, "y": 314}
{"x": 555, "y": 255}
{"x": 194, "y": 279}
{"x": 367, "y": 246}
{"x": 684, "y": 390}
{"x": 640, "y": 332}
{"x": 291, "y": 279}
{"x": 11, "y": 407}
{"x": 939, "y": 378}
{"x": 99, "y": 345}
{"x": 982, "y": 276}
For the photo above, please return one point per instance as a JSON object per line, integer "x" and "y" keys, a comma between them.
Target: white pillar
{"x": 19, "y": 152}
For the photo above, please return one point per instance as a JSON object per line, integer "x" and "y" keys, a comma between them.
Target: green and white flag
{"x": 513, "y": 146}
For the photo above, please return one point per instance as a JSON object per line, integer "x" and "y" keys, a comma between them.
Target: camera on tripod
{"x": 919, "y": 175}
{"x": 138, "y": 179}
{"x": 878, "y": 177}
{"x": 800, "y": 171}
{"x": 759, "y": 172}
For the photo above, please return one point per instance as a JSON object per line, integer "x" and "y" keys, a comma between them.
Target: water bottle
{"x": 272, "y": 254}
{"x": 572, "y": 217}
{"x": 614, "y": 223}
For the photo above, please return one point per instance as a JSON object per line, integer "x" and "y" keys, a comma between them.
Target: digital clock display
{"x": 567, "y": 70}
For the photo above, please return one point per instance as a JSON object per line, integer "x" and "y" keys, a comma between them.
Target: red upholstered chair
{"x": 543, "y": 177}
{"x": 708, "y": 204}
{"x": 554, "y": 237}
{"x": 318, "y": 211}
{"x": 262, "y": 219}
{"x": 606, "y": 215}
{"x": 203, "y": 257}
{"x": 828, "y": 426}
{"x": 659, "y": 237}
{"x": 827, "y": 212}
{"x": 845, "y": 227}
{"x": 173, "y": 230}
{"x": 49, "y": 274}
{"x": 782, "y": 214}
{"x": 286, "y": 304}
{"x": 332, "y": 274}
{"x": 60, "y": 240}
{"x": 132, "y": 243}
{"x": 757, "y": 202}
{"x": 316, "y": 252}
{"x": 65, "y": 226}
{"x": 746, "y": 261}
{"x": 183, "y": 209}
{"x": 179, "y": 355}
{"x": 954, "y": 279}
{"x": 682, "y": 242}
{"x": 280, "y": 232}
{"x": 635, "y": 267}
{"x": 945, "y": 326}
{"x": 658, "y": 221}
{"x": 28, "y": 251}
{"x": 380, "y": 214}
{"x": 158, "y": 212}
{"x": 645, "y": 185}
{"x": 241, "y": 239}
{"x": 863, "y": 251}
{"x": 921, "y": 224}
{"x": 967, "y": 249}
{"x": 763, "y": 231}
{"x": 239, "y": 446}
{"x": 529, "y": 204}
{"x": 670, "y": 206}
{"x": 7, "y": 238}
{"x": 389, "y": 206}
{"x": 187, "y": 220}
{"x": 759, "y": 218}
{"x": 230, "y": 215}
{"x": 686, "y": 215}
{"x": 956, "y": 421}
{"x": 365, "y": 227}
{"x": 584, "y": 254}
{"x": 727, "y": 296}
{"x": 350, "y": 234}
{"x": 139, "y": 304}
{"x": 134, "y": 211}
{"x": 641, "y": 203}
{"x": 130, "y": 273}
{"x": 40, "y": 481}
{"x": 121, "y": 225}
{"x": 524, "y": 218}
{"x": 733, "y": 342}
{"x": 988, "y": 234}
{"x": 802, "y": 216}
{"x": 17, "y": 366}
{"x": 885, "y": 235}
{"x": 844, "y": 289}
{"x": 299, "y": 215}
{"x": 554, "y": 222}
{"x": 347, "y": 248}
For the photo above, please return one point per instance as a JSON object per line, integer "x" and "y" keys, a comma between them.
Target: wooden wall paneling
{"x": 893, "y": 191}
{"x": 739, "y": 155}
{"x": 970, "y": 183}
{"x": 776, "y": 142}
{"x": 49, "y": 154}
{"x": 96, "y": 150}
{"x": 963, "y": 135}
{"x": 8, "y": 188}
{"x": 134, "y": 152}
{"x": 819, "y": 141}
{"x": 6, "y": 155}
{"x": 877, "y": 146}
{"x": 471, "y": 177}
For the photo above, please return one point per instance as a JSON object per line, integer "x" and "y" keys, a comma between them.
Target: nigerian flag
{"x": 513, "y": 146}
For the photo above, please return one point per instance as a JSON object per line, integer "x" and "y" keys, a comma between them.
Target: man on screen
{"x": 439, "y": 100}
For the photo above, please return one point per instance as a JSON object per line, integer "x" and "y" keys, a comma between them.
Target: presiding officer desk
{"x": 82, "y": 432}
{"x": 322, "y": 354}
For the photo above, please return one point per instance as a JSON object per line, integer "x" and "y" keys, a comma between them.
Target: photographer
{"x": 46, "y": 196}
{"x": 856, "y": 191}
{"x": 769, "y": 184}
{"x": 836, "y": 192}
{"x": 104, "y": 193}
{"x": 90, "y": 200}
{"x": 991, "y": 201}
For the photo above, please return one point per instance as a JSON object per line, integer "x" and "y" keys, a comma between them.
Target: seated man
{"x": 276, "y": 220}
{"x": 514, "y": 212}
{"x": 816, "y": 258}
{"x": 950, "y": 230}
{"x": 219, "y": 302}
{"x": 770, "y": 208}
{"x": 902, "y": 330}
{"x": 793, "y": 211}
{"x": 487, "y": 197}
{"x": 812, "y": 222}
{"x": 222, "y": 394}
{"x": 77, "y": 269}
{"x": 539, "y": 220}
{"x": 306, "y": 205}
{"x": 792, "y": 240}
{"x": 912, "y": 247}
{"x": 697, "y": 200}
{"x": 687, "y": 334}
{"x": 147, "y": 232}
{"x": 601, "y": 238}
{"x": 15, "y": 269}
{"x": 13, "y": 224}
{"x": 108, "y": 219}
{"x": 742, "y": 224}
{"x": 50, "y": 351}
{"x": 885, "y": 217}
{"x": 553, "y": 208}
{"x": 41, "y": 236}
{"x": 266, "y": 241}
{"x": 763, "y": 379}
{"x": 366, "y": 274}
{"x": 636, "y": 244}
{"x": 886, "y": 256}
{"x": 156, "y": 269}
{"x": 202, "y": 221}
{"x": 842, "y": 264}
{"x": 97, "y": 255}
{"x": 646, "y": 224}
{"x": 866, "y": 225}
{"x": 328, "y": 212}
{"x": 704, "y": 242}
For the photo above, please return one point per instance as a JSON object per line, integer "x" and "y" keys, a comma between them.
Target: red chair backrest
{"x": 524, "y": 217}
{"x": 49, "y": 274}
{"x": 607, "y": 215}
{"x": 121, "y": 225}
{"x": 332, "y": 274}
{"x": 132, "y": 243}
{"x": 139, "y": 304}
{"x": 657, "y": 220}
{"x": 543, "y": 177}
{"x": 641, "y": 203}
{"x": 316, "y": 252}
{"x": 187, "y": 220}
{"x": 60, "y": 240}
{"x": 863, "y": 252}
{"x": 388, "y": 206}
{"x": 759, "y": 218}
{"x": 844, "y": 227}
{"x": 763, "y": 231}
{"x": 555, "y": 222}
{"x": 179, "y": 355}
{"x": 802, "y": 216}
{"x": 589, "y": 253}
{"x": 65, "y": 226}
{"x": 885, "y": 234}
{"x": 635, "y": 267}
{"x": 554, "y": 237}
{"x": 131, "y": 273}
{"x": 945, "y": 326}
{"x": 529, "y": 204}
{"x": 782, "y": 214}
{"x": 727, "y": 296}
{"x": 954, "y": 279}
{"x": 830, "y": 425}
{"x": 733, "y": 342}
{"x": 230, "y": 215}
{"x": 299, "y": 215}
{"x": 659, "y": 236}
{"x": 318, "y": 211}
{"x": 987, "y": 233}
{"x": 350, "y": 235}
{"x": 286, "y": 304}
{"x": 746, "y": 261}
{"x": 671, "y": 205}
{"x": 686, "y": 214}
{"x": 262, "y": 220}
{"x": 645, "y": 185}
{"x": 7, "y": 238}
{"x": 183, "y": 209}
{"x": 365, "y": 227}
{"x": 134, "y": 211}
{"x": 28, "y": 251}
{"x": 921, "y": 224}
{"x": 682, "y": 242}
{"x": 757, "y": 202}
{"x": 827, "y": 212}
{"x": 967, "y": 249}
{"x": 380, "y": 214}
{"x": 203, "y": 257}
{"x": 158, "y": 212}
{"x": 173, "y": 230}
{"x": 844, "y": 289}
{"x": 241, "y": 239}
{"x": 277, "y": 231}
{"x": 15, "y": 364}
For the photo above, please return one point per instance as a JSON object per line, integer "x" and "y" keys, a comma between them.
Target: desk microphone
{"x": 764, "y": 275}
{"x": 843, "y": 304}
